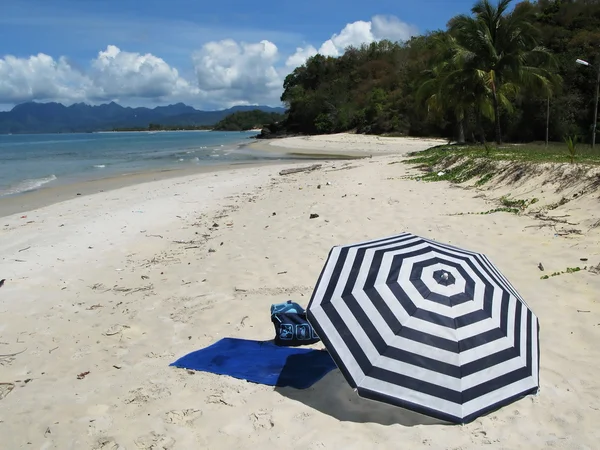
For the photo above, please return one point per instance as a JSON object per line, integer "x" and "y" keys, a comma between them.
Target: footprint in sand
{"x": 146, "y": 394}
{"x": 262, "y": 419}
{"x": 255, "y": 422}
{"x": 154, "y": 441}
{"x": 228, "y": 395}
{"x": 182, "y": 416}
{"x": 114, "y": 330}
{"x": 480, "y": 437}
{"x": 107, "y": 444}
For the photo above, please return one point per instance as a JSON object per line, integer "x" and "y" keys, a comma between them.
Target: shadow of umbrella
{"x": 333, "y": 396}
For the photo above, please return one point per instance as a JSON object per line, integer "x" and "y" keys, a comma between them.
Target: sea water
{"x": 29, "y": 162}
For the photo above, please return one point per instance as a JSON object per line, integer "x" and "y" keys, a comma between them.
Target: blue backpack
{"x": 291, "y": 326}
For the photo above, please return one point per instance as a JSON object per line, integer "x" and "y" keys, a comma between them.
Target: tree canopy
{"x": 489, "y": 74}
{"x": 247, "y": 120}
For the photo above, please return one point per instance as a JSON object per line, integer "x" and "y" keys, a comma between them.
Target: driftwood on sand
{"x": 300, "y": 169}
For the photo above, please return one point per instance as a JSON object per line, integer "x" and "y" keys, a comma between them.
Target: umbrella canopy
{"x": 426, "y": 326}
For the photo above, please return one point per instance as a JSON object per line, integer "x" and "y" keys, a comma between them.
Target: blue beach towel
{"x": 261, "y": 362}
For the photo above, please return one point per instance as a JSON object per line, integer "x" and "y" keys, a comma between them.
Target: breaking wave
{"x": 27, "y": 185}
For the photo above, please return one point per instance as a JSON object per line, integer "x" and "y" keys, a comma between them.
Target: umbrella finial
{"x": 445, "y": 276}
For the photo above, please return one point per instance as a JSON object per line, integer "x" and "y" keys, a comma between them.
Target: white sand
{"x": 75, "y": 301}
{"x": 352, "y": 144}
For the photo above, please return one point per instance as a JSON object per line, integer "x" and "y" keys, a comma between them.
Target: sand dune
{"x": 122, "y": 283}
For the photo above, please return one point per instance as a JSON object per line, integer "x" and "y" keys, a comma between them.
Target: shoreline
{"x": 94, "y": 171}
{"x": 49, "y": 195}
{"x": 45, "y": 195}
{"x": 292, "y": 150}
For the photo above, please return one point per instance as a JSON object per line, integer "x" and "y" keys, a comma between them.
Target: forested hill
{"x": 247, "y": 120}
{"x": 456, "y": 82}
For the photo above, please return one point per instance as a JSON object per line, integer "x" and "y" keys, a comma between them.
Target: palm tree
{"x": 499, "y": 51}
{"x": 436, "y": 92}
{"x": 449, "y": 87}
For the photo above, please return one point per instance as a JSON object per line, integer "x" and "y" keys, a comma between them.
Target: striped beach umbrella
{"x": 426, "y": 326}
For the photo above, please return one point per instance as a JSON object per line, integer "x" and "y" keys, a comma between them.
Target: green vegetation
{"x": 247, "y": 120}
{"x": 515, "y": 206}
{"x": 569, "y": 270}
{"x": 237, "y": 121}
{"x": 489, "y": 75}
{"x": 491, "y": 211}
{"x": 571, "y": 142}
{"x": 517, "y": 203}
{"x": 532, "y": 152}
{"x": 484, "y": 179}
{"x": 478, "y": 163}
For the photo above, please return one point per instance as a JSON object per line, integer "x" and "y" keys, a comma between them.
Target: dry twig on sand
{"x": 300, "y": 169}
{"x": 567, "y": 232}
{"x": 8, "y": 358}
{"x": 128, "y": 291}
{"x": 555, "y": 219}
{"x": 10, "y": 355}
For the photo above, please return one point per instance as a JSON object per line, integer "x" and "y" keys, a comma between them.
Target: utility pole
{"x": 547, "y": 119}
{"x": 596, "y": 109}
{"x": 595, "y": 124}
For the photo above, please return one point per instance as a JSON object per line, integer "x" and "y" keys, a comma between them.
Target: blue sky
{"x": 174, "y": 31}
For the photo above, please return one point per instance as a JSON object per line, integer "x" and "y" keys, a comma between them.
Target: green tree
{"x": 500, "y": 50}
{"x": 449, "y": 88}
{"x": 493, "y": 77}
{"x": 247, "y": 120}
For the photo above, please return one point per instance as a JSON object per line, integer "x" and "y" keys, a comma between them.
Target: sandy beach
{"x": 346, "y": 144}
{"x": 123, "y": 282}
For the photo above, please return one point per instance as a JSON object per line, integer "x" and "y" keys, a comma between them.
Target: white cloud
{"x": 40, "y": 77}
{"x": 117, "y": 74}
{"x": 113, "y": 75}
{"x": 227, "y": 72}
{"x": 238, "y": 73}
{"x": 355, "y": 34}
{"x": 391, "y": 28}
{"x": 300, "y": 57}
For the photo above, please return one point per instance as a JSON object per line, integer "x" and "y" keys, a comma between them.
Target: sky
{"x": 207, "y": 54}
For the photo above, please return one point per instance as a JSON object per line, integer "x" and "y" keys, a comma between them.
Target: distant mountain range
{"x": 35, "y": 117}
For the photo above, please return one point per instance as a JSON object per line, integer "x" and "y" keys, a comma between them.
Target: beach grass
{"x": 465, "y": 162}
{"x": 556, "y": 152}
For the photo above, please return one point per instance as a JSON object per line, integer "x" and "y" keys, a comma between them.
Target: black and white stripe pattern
{"x": 426, "y": 326}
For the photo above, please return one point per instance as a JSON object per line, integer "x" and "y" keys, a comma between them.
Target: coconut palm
{"x": 436, "y": 93}
{"x": 450, "y": 87}
{"x": 499, "y": 51}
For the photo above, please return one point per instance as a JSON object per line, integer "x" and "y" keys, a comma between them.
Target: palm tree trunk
{"x": 461, "y": 131}
{"x": 496, "y": 114}
{"x": 479, "y": 126}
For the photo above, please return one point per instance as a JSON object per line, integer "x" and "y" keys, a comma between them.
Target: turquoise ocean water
{"x": 29, "y": 162}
